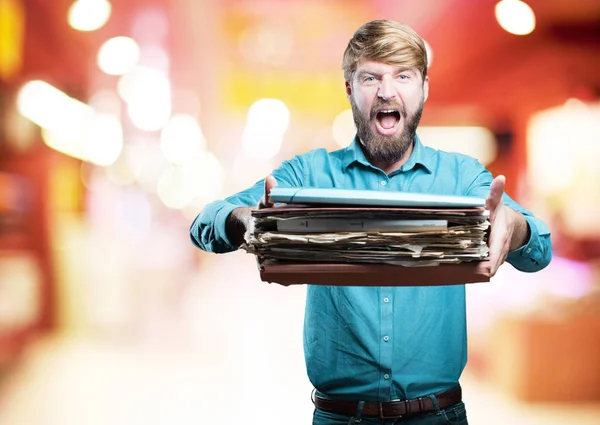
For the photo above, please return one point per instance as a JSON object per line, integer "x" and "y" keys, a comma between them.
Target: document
{"x": 353, "y": 224}
{"x": 408, "y": 236}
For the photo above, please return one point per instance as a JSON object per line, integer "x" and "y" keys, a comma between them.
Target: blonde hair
{"x": 386, "y": 41}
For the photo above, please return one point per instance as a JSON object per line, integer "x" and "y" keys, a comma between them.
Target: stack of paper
{"x": 395, "y": 228}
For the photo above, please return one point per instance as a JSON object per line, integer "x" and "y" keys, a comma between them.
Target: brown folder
{"x": 336, "y": 274}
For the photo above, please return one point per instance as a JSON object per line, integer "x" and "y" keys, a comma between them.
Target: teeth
{"x": 388, "y": 111}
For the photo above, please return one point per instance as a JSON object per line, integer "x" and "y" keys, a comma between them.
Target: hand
{"x": 508, "y": 229}
{"x": 239, "y": 222}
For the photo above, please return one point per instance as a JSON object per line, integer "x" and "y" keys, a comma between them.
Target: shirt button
{"x": 386, "y": 376}
{"x": 386, "y": 300}
{"x": 528, "y": 250}
{"x": 383, "y": 182}
{"x": 386, "y": 338}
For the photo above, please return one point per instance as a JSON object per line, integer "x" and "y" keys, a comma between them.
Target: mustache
{"x": 379, "y": 105}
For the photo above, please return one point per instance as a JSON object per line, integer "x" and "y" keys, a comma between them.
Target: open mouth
{"x": 387, "y": 120}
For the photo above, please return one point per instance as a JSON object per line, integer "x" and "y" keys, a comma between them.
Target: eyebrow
{"x": 400, "y": 70}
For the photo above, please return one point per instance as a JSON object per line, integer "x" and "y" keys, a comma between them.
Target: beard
{"x": 386, "y": 150}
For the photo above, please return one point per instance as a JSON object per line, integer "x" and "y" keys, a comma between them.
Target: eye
{"x": 403, "y": 77}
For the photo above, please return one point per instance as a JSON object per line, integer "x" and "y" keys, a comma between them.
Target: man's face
{"x": 387, "y": 102}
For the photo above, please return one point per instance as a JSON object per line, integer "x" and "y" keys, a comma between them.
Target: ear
{"x": 426, "y": 88}
{"x": 348, "y": 89}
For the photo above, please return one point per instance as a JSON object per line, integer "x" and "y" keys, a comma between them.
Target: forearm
{"x": 221, "y": 225}
{"x": 521, "y": 232}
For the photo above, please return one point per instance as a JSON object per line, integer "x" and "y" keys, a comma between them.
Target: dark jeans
{"x": 453, "y": 415}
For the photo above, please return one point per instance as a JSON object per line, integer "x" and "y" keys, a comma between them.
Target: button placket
{"x": 386, "y": 348}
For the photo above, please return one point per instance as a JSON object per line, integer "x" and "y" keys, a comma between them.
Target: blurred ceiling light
{"x": 563, "y": 156}
{"x": 182, "y": 139}
{"x": 89, "y": 15}
{"x": 515, "y": 16}
{"x": 155, "y": 57}
{"x": 139, "y": 81}
{"x": 120, "y": 171}
{"x": 118, "y": 55}
{"x": 212, "y": 177}
{"x": 99, "y": 141}
{"x": 576, "y": 124}
{"x": 49, "y": 107}
{"x": 104, "y": 139}
{"x": 209, "y": 187}
{"x": 267, "y": 122}
{"x": 478, "y": 142}
{"x": 70, "y": 126}
{"x": 149, "y": 115}
{"x": 106, "y": 102}
{"x": 148, "y": 96}
{"x": 344, "y": 128}
{"x": 66, "y": 141}
{"x": 177, "y": 185}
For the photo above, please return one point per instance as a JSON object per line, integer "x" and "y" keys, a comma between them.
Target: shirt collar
{"x": 419, "y": 156}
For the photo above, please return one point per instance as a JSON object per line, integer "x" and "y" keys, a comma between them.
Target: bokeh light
{"x": 343, "y": 129}
{"x": 267, "y": 122}
{"x": 478, "y": 142}
{"x": 89, "y": 15}
{"x": 147, "y": 93}
{"x": 515, "y": 16}
{"x": 118, "y": 55}
{"x": 182, "y": 139}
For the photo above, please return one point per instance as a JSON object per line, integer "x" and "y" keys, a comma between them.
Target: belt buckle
{"x": 382, "y": 416}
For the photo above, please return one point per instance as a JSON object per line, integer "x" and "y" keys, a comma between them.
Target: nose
{"x": 387, "y": 89}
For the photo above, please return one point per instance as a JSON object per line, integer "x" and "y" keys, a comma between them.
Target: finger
{"x": 483, "y": 268}
{"x": 270, "y": 183}
{"x": 498, "y": 244}
{"x": 496, "y": 191}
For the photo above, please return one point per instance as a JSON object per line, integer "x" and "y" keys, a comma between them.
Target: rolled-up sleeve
{"x": 208, "y": 231}
{"x": 537, "y": 252}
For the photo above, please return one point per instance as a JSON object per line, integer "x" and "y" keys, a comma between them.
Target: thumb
{"x": 270, "y": 183}
{"x": 496, "y": 191}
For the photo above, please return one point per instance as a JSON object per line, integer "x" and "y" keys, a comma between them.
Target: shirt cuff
{"x": 530, "y": 255}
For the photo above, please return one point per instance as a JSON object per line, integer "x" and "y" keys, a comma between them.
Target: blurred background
{"x": 119, "y": 120}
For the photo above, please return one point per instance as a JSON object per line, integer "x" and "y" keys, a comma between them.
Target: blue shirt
{"x": 381, "y": 343}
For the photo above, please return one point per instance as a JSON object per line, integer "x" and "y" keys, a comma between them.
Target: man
{"x": 387, "y": 354}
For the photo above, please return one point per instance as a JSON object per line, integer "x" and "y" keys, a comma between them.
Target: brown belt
{"x": 390, "y": 409}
